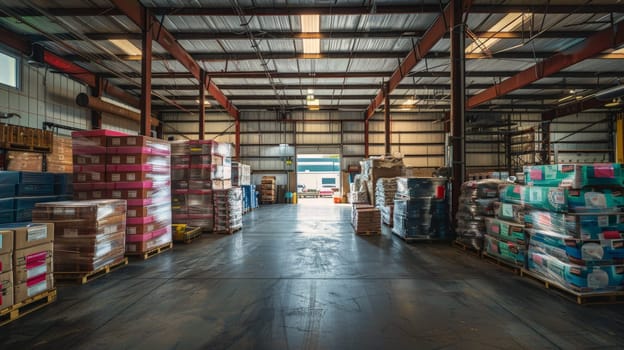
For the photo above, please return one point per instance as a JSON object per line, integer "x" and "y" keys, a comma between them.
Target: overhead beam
{"x": 606, "y": 39}
{"x": 572, "y": 108}
{"x": 371, "y": 74}
{"x": 244, "y": 56}
{"x": 421, "y": 49}
{"x": 146, "y": 73}
{"x": 135, "y": 11}
{"x": 206, "y": 35}
{"x": 536, "y": 7}
{"x": 363, "y": 97}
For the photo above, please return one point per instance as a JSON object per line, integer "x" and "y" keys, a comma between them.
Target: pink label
{"x": 495, "y": 228}
{"x": 611, "y": 234}
{"x": 536, "y": 174}
{"x": 36, "y": 259}
{"x": 604, "y": 171}
{"x": 517, "y": 189}
{"x": 35, "y": 280}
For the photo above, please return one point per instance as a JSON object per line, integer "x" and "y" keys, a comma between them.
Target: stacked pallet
{"x": 268, "y": 189}
{"x": 366, "y": 219}
{"x": 374, "y": 168}
{"x": 384, "y": 198}
{"x": 476, "y": 203}
{"x": 241, "y": 174}
{"x": 199, "y": 168}
{"x": 26, "y": 256}
{"x": 20, "y": 191}
{"x": 228, "y": 210}
{"x": 576, "y": 232}
{"x": 113, "y": 165}
{"x": 60, "y": 160}
{"x": 250, "y": 199}
{"x": 24, "y": 161}
{"x": 88, "y": 235}
{"x": 421, "y": 209}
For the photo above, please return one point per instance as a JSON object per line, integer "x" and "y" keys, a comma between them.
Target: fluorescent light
{"x": 311, "y": 24}
{"x": 126, "y": 46}
{"x": 510, "y": 22}
{"x": 410, "y": 102}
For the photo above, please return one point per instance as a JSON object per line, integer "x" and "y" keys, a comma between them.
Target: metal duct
{"x": 610, "y": 93}
{"x": 97, "y": 104}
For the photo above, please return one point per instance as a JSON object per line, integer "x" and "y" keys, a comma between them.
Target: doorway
{"x": 318, "y": 177}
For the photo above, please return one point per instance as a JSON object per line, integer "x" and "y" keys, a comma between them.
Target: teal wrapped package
{"x": 575, "y": 277}
{"x": 545, "y": 198}
{"x": 513, "y": 252}
{"x": 510, "y": 212}
{"x": 574, "y": 175}
{"x": 505, "y": 230}
{"x": 578, "y": 251}
{"x": 589, "y": 201}
{"x": 598, "y": 224}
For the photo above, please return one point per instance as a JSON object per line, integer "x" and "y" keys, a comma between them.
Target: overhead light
{"x": 310, "y": 91}
{"x": 510, "y": 22}
{"x": 126, "y": 46}
{"x": 206, "y": 102}
{"x": 311, "y": 24}
{"x": 615, "y": 103}
{"x": 409, "y": 102}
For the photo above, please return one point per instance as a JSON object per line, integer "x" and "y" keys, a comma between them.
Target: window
{"x": 9, "y": 69}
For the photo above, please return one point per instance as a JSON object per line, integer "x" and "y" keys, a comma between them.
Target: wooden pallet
{"x": 152, "y": 252}
{"x": 368, "y": 233}
{"x": 587, "y": 298}
{"x": 188, "y": 236}
{"x": 85, "y": 277}
{"x": 12, "y": 313}
{"x": 228, "y": 231}
{"x": 466, "y": 248}
{"x": 515, "y": 267}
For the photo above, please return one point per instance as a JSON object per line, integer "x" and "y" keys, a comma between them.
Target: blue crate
{"x": 7, "y": 191}
{"x": 29, "y": 202}
{"x": 9, "y": 177}
{"x": 34, "y": 189}
{"x": 23, "y": 215}
{"x": 62, "y": 178}
{"x": 7, "y": 204}
{"x": 27, "y": 177}
{"x": 7, "y": 216}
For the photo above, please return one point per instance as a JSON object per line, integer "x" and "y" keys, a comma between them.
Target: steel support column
{"x": 457, "y": 102}
{"x": 96, "y": 91}
{"x": 237, "y": 138}
{"x": 545, "y": 145}
{"x": 365, "y": 138}
{"x": 146, "y": 74}
{"x": 202, "y": 104}
{"x": 387, "y": 127}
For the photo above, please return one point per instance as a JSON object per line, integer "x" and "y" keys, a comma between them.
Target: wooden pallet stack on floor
{"x": 268, "y": 190}
{"x": 366, "y": 220}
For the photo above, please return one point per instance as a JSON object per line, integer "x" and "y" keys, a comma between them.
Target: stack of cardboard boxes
{"x": 30, "y": 271}
{"x": 366, "y": 219}
{"x": 228, "y": 210}
{"x": 268, "y": 189}
{"x": 60, "y": 160}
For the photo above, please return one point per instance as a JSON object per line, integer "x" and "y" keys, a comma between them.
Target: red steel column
{"x": 96, "y": 91}
{"x": 366, "y": 138}
{"x": 237, "y": 141}
{"x": 202, "y": 104}
{"x": 146, "y": 74}
{"x": 387, "y": 127}
{"x": 457, "y": 102}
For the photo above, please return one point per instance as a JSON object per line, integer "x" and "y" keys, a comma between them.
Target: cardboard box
{"x": 6, "y": 290}
{"x": 6, "y": 262}
{"x": 141, "y": 141}
{"x": 23, "y": 274}
{"x": 29, "y": 235}
{"x": 6, "y": 241}
{"x": 90, "y": 195}
{"x": 32, "y": 262}
{"x": 33, "y": 287}
{"x": 138, "y": 158}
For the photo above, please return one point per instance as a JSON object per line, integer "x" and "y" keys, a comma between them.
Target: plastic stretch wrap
{"x": 545, "y": 198}
{"x": 470, "y": 233}
{"x": 385, "y": 191}
{"x": 512, "y": 252}
{"x": 228, "y": 209}
{"x": 476, "y": 207}
{"x": 421, "y": 187}
{"x": 575, "y": 277}
{"x": 129, "y": 142}
{"x": 481, "y": 188}
{"x": 589, "y": 201}
{"x": 366, "y": 220}
{"x": 209, "y": 147}
{"x": 597, "y": 225}
{"x": 387, "y": 214}
{"x": 157, "y": 239}
{"x": 506, "y": 230}
{"x": 87, "y": 234}
{"x": 179, "y": 148}
{"x": 510, "y": 212}
{"x": 421, "y": 218}
{"x": 250, "y": 199}
{"x": 574, "y": 175}
{"x": 476, "y": 203}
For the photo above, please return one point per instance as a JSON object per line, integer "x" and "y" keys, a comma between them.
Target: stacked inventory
{"x": 60, "y": 160}
{"x": 32, "y": 250}
{"x": 421, "y": 209}
{"x": 198, "y": 168}
{"x": 250, "y": 199}
{"x": 88, "y": 235}
{"x": 228, "y": 210}
{"x": 579, "y": 242}
{"x": 384, "y": 198}
{"x": 63, "y": 186}
{"x": 358, "y": 193}
{"x": 241, "y": 174}
{"x": 476, "y": 203}
{"x": 505, "y": 237}
{"x": 366, "y": 219}
{"x": 268, "y": 189}
{"x": 374, "y": 168}
{"x": 138, "y": 169}
{"x": 6, "y": 269}
{"x": 20, "y": 191}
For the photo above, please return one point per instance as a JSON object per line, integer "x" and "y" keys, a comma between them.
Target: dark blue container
{"x": 7, "y": 216}
{"x": 27, "y": 177}
{"x": 9, "y": 177}
{"x": 7, "y": 191}
{"x": 7, "y": 204}
{"x": 35, "y": 189}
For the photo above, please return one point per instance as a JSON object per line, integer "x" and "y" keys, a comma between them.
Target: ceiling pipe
{"x": 97, "y": 104}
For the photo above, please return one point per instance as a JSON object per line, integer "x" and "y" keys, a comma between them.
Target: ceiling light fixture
{"x": 311, "y": 24}
{"x": 126, "y": 46}
{"x": 509, "y": 23}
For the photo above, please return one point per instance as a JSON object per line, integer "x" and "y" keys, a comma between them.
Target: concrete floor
{"x": 297, "y": 277}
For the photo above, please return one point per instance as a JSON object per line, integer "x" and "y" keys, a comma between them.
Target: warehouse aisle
{"x": 296, "y": 277}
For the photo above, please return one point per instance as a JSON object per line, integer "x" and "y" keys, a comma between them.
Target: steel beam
{"x": 572, "y": 108}
{"x": 135, "y": 11}
{"x": 237, "y": 139}
{"x": 96, "y": 91}
{"x": 435, "y": 32}
{"x": 611, "y": 37}
{"x": 387, "y": 127}
{"x": 366, "y": 143}
{"x": 146, "y": 73}
{"x": 202, "y": 105}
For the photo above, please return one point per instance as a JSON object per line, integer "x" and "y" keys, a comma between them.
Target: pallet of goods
{"x": 421, "y": 209}
{"x": 60, "y": 160}
{"x": 384, "y": 198}
{"x": 26, "y": 256}
{"x": 89, "y": 237}
{"x": 250, "y": 198}
{"x": 228, "y": 210}
{"x": 366, "y": 219}
{"x": 268, "y": 190}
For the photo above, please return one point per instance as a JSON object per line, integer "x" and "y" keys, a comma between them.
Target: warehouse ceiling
{"x": 335, "y": 55}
